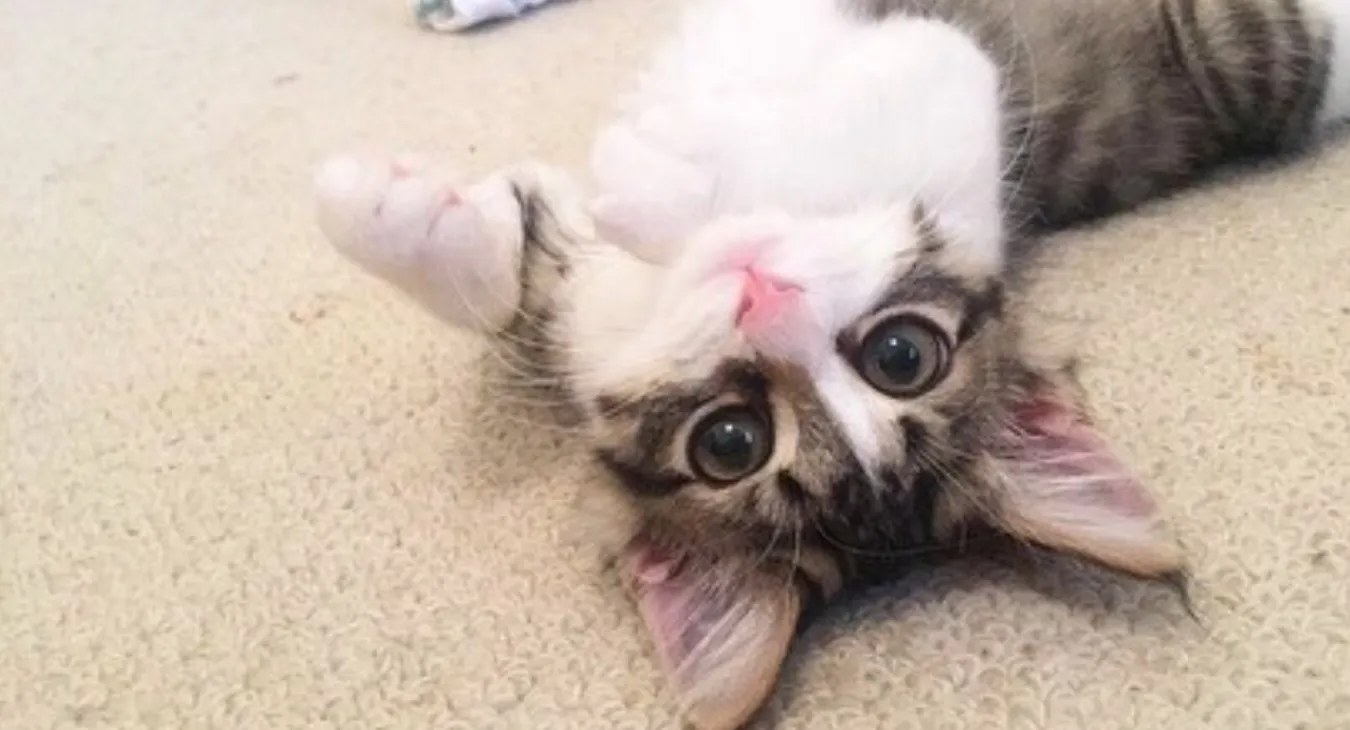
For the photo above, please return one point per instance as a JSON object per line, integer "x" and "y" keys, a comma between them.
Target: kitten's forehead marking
{"x": 850, "y": 407}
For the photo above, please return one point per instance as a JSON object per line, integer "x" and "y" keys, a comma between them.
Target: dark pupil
{"x": 730, "y": 444}
{"x": 898, "y": 359}
{"x": 731, "y": 447}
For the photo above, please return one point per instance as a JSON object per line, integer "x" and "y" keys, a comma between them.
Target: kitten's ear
{"x": 720, "y": 632}
{"x": 1064, "y": 488}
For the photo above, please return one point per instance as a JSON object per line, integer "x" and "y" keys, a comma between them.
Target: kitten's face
{"x": 808, "y": 392}
{"x": 795, "y": 376}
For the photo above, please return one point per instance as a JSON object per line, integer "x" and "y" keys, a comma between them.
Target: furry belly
{"x": 806, "y": 111}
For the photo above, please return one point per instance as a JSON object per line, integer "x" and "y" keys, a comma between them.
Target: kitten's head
{"x": 811, "y": 393}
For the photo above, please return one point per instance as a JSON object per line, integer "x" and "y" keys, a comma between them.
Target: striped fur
{"x": 1111, "y": 103}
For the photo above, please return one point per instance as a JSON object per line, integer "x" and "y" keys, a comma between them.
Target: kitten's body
{"x": 782, "y": 314}
{"x": 1101, "y": 103}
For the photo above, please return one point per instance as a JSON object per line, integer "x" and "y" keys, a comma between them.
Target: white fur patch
{"x": 790, "y": 106}
{"x": 1336, "y": 105}
{"x": 452, "y": 250}
{"x": 849, "y": 403}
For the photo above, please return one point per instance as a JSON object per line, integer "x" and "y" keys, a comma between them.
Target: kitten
{"x": 783, "y": 308}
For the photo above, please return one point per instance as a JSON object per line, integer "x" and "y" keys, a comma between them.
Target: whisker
{"x": 796, "y": 551}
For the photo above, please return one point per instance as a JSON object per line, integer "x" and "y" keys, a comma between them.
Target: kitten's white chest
{"x": 793, "y": 105}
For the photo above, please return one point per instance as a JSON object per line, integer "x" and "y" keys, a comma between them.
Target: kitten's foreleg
{"x": 477, "y": 256}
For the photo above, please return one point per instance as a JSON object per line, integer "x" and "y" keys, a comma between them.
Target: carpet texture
{"x": 246, "y": 487}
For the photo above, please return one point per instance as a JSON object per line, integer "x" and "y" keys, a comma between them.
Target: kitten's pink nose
{"x": 763, "y": 300}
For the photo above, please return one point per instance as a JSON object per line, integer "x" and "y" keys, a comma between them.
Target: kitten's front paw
{"x": 453, "y": 249}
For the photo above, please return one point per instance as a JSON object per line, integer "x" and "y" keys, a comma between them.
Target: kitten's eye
{"x": 903, "y": 357}
{"x": 729, "y": 444}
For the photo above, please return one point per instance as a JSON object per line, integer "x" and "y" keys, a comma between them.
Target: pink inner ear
{"x": 721, "y": 629}
{"x": 668, "y": 602}
{"x": 650, "y": 566}
{"x": 1059, "y": 442}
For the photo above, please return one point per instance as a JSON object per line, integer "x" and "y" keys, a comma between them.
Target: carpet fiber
{"x": 244, "y": 487}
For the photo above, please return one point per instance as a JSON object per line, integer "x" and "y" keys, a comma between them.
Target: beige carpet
{"x": 243, "y": 487}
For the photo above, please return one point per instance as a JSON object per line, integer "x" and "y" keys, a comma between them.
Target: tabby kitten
{"x": 783, "y": 309}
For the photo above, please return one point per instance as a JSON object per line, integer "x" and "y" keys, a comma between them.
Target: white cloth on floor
{"x": 455, "y": 15}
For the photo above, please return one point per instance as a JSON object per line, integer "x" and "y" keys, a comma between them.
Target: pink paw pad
{"x": 405, "y": 166}
{"x": 445, "y": 202}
